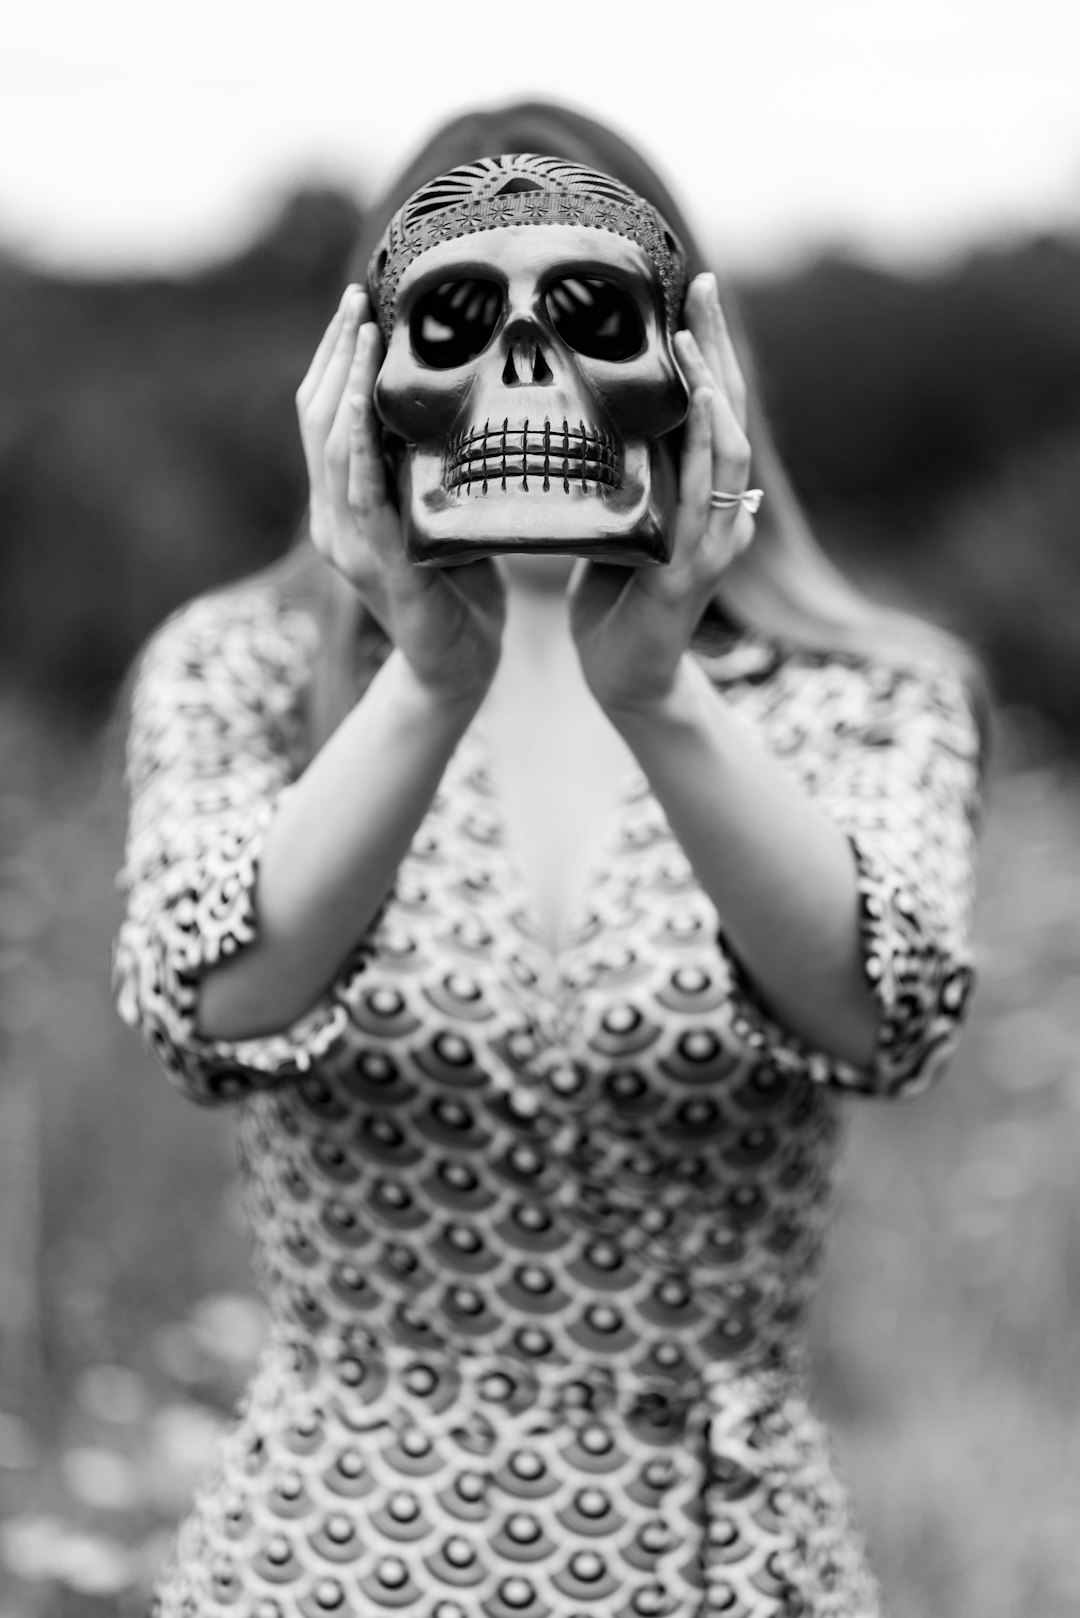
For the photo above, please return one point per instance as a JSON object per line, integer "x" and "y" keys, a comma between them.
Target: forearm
{"x": 332, "y": 850}
{"x": 781, "y": 874}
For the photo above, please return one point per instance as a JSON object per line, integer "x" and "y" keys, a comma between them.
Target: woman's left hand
{"x": 632, "y": 626}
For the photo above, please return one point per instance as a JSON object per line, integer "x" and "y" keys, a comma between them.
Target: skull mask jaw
{"x": 529, "y": 391}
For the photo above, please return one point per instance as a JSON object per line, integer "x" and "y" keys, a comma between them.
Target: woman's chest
{"x": 557, "y": 772}
{"x": 630, "y": 1013}
{"x": 489, "y": 1082}
{"x": 530, "y": 1133}
{"x": 545, "y": 936}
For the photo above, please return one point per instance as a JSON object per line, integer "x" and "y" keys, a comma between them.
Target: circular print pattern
{"x": 537, "y": 1237}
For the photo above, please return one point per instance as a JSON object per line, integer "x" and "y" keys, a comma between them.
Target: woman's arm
{"x": 340, "y": 833}
{"x": 847, "y": 920}
{"x": 332, "y": 850}
{"x": 249, "y": 881}
{"x": 780, "y": 872}
{"x": 252, "y": 878}
{"x": 216, "y": 736}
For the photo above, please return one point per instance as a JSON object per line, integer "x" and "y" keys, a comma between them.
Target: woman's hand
{"x": 446, "y": 623}
{"x": 632, "y": 627}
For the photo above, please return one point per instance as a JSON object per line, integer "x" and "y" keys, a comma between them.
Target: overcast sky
{"x": 135, "y": 135}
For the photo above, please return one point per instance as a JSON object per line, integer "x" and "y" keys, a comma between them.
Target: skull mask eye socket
{"x": 453, "y": 322}
{"x": 595, "y": 317}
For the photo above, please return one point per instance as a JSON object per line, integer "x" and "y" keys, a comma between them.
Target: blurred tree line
{"x": 148, "y": 444}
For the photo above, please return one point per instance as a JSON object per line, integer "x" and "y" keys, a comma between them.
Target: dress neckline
{"x": 742, "y": 655}
{"x": 475, "y": 756}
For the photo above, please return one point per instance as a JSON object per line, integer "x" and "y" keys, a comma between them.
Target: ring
{"x": 750, "y": 498}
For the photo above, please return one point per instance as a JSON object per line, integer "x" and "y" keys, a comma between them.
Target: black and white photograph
{"x": 540, "y": 855}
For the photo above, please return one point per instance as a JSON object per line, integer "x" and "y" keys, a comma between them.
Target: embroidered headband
{"x": 521, "y": 189}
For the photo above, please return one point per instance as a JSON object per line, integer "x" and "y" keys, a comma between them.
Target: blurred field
{"x": 155, "y": 456}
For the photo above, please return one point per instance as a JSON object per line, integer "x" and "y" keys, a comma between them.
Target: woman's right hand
{"x": 447, "y": 623}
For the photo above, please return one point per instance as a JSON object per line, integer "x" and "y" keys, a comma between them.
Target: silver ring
{"x": 750, "y": 498}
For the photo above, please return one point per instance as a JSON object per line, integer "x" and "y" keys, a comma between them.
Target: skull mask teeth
{"x": 481, "y": 456}
{"x": 529, "y": 380}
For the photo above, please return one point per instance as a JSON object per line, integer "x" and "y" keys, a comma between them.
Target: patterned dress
{"x": 537, "y": 1236}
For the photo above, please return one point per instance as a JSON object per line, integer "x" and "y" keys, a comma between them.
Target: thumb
{"x": 479, "y": 585}
{"x": 595, "y": 589}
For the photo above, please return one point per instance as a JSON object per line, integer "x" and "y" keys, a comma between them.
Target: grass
{"x": 945, "y": 1336}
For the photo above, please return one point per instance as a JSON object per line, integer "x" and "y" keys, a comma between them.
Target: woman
{"x": 539, "y": 915}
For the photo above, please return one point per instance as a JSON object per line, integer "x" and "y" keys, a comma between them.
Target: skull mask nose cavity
{"x": 526, "y": 364}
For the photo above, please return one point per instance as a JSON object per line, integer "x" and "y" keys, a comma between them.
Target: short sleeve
{"x": 894, "y": 756}
{"x": 215, "y": 738}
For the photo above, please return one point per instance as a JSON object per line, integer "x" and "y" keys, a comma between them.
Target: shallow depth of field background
{"x": 147, "y": 451}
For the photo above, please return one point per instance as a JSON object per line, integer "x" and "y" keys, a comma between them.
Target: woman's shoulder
{"x": 251, "y": 632}
{"x": 842, "y": 689}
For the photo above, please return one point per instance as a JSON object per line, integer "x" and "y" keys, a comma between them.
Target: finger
{"x": 705, "y": 316}
{"x": 321, "y": 403}
{"x": 329, "y": 338}
{"x": 694, "y": 365}
{"x": 730, "y": 448}
{"x": 312, "y": 436}
{"x": 350, "y": 450}
{"x": 695, "y": 478}
{"x": 731, "y": 370}
{"x": 366, "y": 485}
{"x": 699, "y": 372}
{"x": 707, "y": 538}
{"x": 366, "y": 522}
{"x": 353, "y": 479}
{"x": 596, "y": 588}
{"x": 322, "y": 353}
{"x": 698, "y": 322}
{"x": 481, "y": 586}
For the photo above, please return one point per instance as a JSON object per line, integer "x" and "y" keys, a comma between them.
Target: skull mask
{"x": 529, "y": 387}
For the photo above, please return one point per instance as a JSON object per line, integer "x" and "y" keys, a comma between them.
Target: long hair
{"x": 783, "y": 585}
